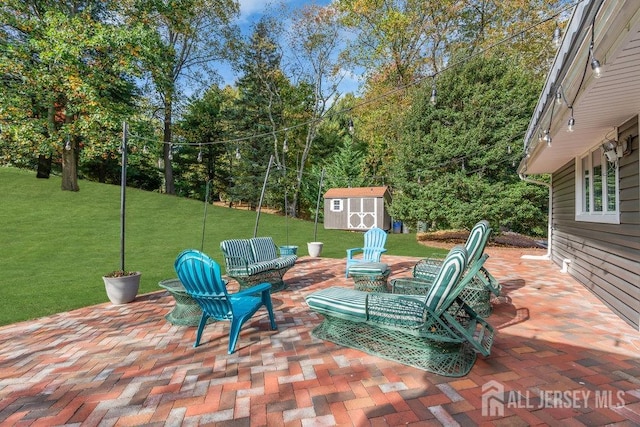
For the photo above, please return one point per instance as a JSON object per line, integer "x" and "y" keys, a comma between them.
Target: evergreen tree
{"x": 456, "y": 163}
{"x": 259, "y": 110}
{"x": 201, "y": 157}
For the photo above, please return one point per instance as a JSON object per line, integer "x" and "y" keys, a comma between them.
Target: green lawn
{"x": 55, "y": 245}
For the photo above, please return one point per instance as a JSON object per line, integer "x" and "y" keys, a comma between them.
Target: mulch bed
{"x": 507, "y": 239}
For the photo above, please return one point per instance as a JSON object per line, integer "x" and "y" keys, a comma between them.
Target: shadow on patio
{"x": 559, "y": 356}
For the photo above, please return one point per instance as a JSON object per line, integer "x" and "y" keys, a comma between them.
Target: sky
{"x": 251, "y": 9}
{"x": 250, "y": 13}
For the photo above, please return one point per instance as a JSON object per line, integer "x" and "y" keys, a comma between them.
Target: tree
{"x": 199, "y": 159}
{"x": 512, "y": 28}
{"x": 258, "y": 110}
{"x": 398, "y": 43}
{"x": 191, "y": 35}
{"x": 400, "y": 40}
{"x": 314, "y": 40}
{"x": 455, "y": 164}
{"x": 67, "y": 70}
{"x": 346, "y": 166}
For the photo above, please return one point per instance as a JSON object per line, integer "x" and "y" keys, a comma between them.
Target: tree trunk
{"x": 168, "y": 168}
{"x": 44, "y": 166}
{"x": 70, "y": 168}
{"x": 70, "y": 160}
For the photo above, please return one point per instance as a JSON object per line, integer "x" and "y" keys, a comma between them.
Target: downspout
{"x": 547, "y": 256}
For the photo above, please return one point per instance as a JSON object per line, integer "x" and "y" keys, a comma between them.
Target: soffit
{"x": 600, "y": 104}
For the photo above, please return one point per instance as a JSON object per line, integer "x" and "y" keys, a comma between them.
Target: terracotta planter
{"x": 122, "y": 290}
{"x": 314, "y": 248}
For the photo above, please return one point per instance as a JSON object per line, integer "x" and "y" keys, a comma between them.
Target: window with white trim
{"x": 336, "y": 205}
{"x": 597, "y": 188}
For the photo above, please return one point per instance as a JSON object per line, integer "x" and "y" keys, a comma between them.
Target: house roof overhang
{"x": 599, "y": 105}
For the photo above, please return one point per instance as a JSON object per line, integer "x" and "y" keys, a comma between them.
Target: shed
{"x": 357, "y": 208}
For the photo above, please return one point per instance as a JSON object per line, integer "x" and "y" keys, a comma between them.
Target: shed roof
{"x": 334, "y": 193}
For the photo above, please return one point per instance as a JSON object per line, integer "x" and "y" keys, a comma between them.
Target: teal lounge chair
{"x": 479, "y": 289}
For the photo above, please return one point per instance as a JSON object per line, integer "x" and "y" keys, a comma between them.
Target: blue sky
{"x": 252, "y": 10}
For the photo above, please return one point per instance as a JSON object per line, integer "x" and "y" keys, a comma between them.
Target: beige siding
{"x": 604, "y": 257}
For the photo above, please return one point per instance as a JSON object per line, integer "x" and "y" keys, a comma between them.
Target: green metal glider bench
{"x": 416, "y": 330}
{"x": 256, "y": 260}
{"x": 478, "y": 291}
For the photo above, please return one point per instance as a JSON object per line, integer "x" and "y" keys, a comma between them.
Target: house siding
{"x": 604, "y": 257}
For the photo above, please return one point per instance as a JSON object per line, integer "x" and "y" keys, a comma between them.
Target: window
{"x": 597, "y": 188}
{"x": 336, "y": 205}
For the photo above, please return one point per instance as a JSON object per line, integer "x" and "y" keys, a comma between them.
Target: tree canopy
{"x": 456, "y": 162}
{"x": 68, "y": 77}
{"x": 72, "y": 72}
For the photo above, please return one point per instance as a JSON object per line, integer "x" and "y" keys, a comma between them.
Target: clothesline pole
{"x": 315, "y": 226}
{"x": 264, "y": 186}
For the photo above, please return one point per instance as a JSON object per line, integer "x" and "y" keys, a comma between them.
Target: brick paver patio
{"x": 560, "y": 358}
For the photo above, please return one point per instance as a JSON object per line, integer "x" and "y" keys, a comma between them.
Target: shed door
{"x": 362, "y": 213}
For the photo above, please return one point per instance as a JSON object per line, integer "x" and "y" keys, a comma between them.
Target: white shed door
{"x": 362, "y": 213}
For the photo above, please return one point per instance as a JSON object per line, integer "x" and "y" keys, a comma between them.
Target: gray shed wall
{"x": 341, "y": 220}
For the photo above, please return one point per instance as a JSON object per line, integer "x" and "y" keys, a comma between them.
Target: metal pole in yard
{"x": 123, "y": 186}
{"x": 315, "y": 226}
{"x": 204, "y": 219}
{"x": 264, "y": 186}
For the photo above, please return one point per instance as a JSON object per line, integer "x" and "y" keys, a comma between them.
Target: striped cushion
{"x": 263, "y": 249}
{"x": 368, "y": 268}
{"x": 344, "y": 303}
{"x": 477, "y": 240}
{"x": 237, "y": 248}
{"x": 448, "y": 276}
{"x": 285, "y": 261}
{"x": 252, "y": 269}
{"x": 405, "y": 311}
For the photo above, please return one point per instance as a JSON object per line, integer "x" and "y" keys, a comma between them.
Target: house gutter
{"x": 547, "y": 256}
{"x": 576, "y": 32}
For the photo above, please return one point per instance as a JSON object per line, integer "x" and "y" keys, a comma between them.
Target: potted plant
{"x": 314, "y": 248}
{"x": 122, "y": 285}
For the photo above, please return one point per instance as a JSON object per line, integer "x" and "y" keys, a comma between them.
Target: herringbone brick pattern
{"x": 560, "y": 358}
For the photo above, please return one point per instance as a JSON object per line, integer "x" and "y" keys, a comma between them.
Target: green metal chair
{"x": 200, "y": 276}
{"x": 374, "y": 241}
{"x": 416, "y": 330}
{"x": 478, "y": 291}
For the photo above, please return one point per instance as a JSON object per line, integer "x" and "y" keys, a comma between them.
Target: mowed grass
{"x": 56, "y": 245}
